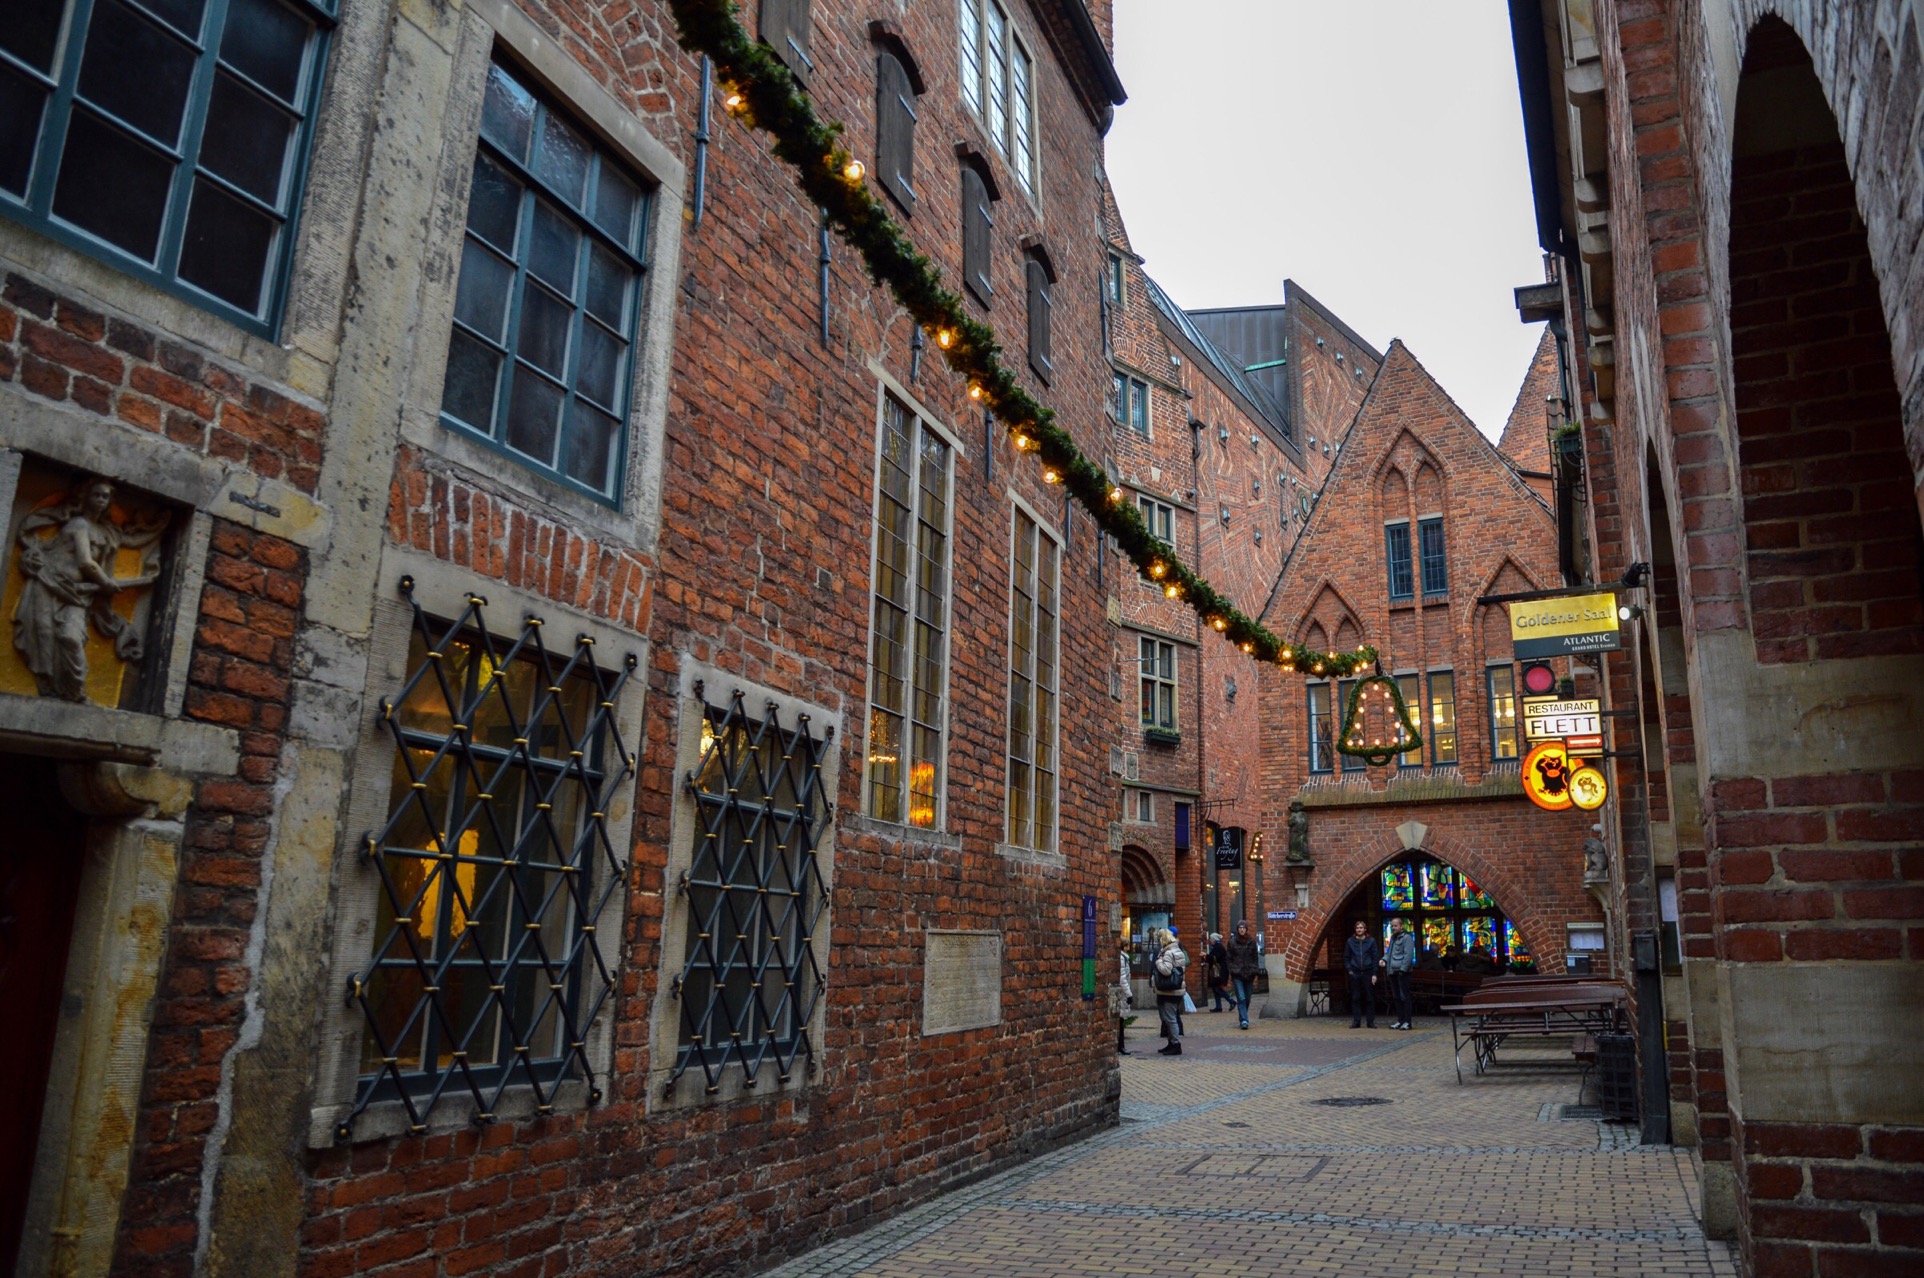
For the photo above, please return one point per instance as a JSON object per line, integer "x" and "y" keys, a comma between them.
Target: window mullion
{"x": 200, "y": 91}
{"x": 53, "y": 128}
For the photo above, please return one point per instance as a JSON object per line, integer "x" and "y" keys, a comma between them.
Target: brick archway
{"x": 1533, "y": 917}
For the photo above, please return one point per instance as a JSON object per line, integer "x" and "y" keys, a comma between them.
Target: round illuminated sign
{"x": 1539, "y": 680}
{"x": 1588, "y": 789}
{"x": 1546, "y": 776}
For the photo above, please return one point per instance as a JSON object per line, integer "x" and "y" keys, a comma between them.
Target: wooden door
{"x": 40, "y": 861}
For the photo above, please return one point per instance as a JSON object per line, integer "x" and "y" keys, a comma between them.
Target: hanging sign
{"x": 1559, "y": 627}
{"x": 1549, "y": 718}
{"x": 1229, "y": 849}
{"x": 1546, "y": 776}
{"x": 1588, "y": 789}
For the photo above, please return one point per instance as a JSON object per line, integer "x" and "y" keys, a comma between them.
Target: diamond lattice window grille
{"x": 754, "y": 897}
{"x": 495, "y": 865}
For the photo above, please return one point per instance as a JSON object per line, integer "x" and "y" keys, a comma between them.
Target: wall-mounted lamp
{"x": 1629, "y": 612}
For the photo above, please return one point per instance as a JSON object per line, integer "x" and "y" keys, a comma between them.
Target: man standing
{"x": 1397, "y": 963}
{"x": 1243, "y": 962}
{"x": 1361, "y": 957}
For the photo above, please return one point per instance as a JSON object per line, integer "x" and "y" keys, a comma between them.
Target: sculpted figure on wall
{"x": 1596, "y": 861}
{"x": 1298, "y": 831}
{"x": 67, "y": 555}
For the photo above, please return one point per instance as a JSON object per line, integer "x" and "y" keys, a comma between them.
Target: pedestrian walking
{"x": 1244, "y": 959}
{"x": 1398, "y": 961}
{"x": 1167, "y": 974}
{"x": 1362, "y": 953}
{"x": 1218, "y": 973}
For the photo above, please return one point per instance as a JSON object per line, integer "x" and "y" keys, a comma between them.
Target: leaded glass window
{"x": 1158, "y": 684}
{"x": 541, "y": 359}
{"x": 1322, "y": 730}
{"x": 495, "y": 864}
{"x": 1442, "y": 717}
{"x": 755, "y": 898}
{"x": 1034, "y": 610}
{"x": 1411, "y": 686}
{"x": 1129, "y": 401}
{"x": 1436, "y": 572}
{"x": 998, "y": 84}
{"x": 167, "y": 137}
{"x": 908, "y": 653}
{"x": 1396, "y": 545}
{"x": 1503, "y": 733}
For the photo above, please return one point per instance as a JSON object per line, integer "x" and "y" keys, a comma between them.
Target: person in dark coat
{"x": 1361, "y": 954}
{"x": 1218, "y": 972}
{"x": 1244, "y": 960}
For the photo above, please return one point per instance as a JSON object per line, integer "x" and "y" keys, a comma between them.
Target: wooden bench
{"x": 1487, "y": 1018}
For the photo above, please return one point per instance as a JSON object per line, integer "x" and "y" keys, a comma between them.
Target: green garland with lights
{"x": 760, "y": 91}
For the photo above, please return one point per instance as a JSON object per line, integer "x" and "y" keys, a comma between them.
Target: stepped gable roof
{"x": 1403, "y": 396}
{"x": 1224, "y": 369}
{"x": 1526, "y": 440}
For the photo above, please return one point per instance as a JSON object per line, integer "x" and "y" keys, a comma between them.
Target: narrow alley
{"x": 1234, "y": 1159}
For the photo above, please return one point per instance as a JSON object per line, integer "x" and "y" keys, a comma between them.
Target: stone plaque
{"x": 961, "y": 981}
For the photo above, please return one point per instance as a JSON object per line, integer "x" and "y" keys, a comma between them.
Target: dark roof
{"x": 1228, "y": 370}
{"x": 1257, "y": 338}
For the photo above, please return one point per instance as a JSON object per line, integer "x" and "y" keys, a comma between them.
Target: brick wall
{"x": 61, "y": 349}
{"x": 242, "y": 663}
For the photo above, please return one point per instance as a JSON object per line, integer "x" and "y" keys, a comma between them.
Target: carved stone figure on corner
{"x": 1596, "y": 861}
{"x": 67, "y": 554}
{"x": 1298, "y": 831}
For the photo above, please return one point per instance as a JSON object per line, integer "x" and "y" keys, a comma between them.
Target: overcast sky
{"x": 1371, "y": 150}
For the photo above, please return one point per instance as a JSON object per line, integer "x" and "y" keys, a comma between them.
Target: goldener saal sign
{"x": 1561, "y": 627}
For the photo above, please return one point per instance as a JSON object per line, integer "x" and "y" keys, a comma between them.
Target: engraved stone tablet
{"x": 961, "y": 981}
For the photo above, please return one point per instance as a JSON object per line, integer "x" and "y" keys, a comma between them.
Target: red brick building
{"x": 576, "y": 771}
{"x": 1420, "y": 516}
{"x": 1727, "y": 193}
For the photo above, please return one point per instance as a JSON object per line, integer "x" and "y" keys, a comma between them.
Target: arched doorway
{"x": 1149, "y": 902}
{"x": 1458, "y": 925}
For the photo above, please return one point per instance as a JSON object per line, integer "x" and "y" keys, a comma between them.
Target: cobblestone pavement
{"x": 1225, "y": 1164}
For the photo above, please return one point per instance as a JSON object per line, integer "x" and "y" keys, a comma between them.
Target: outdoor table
{"x": 1574, "y": 1011}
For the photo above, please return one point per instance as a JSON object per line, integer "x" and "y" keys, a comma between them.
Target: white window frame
{"x": 1011, "y": 123}
{"x": 921, "y": 421}
{"x": 1150, "y": 654}
{"x": 1051, "y": 538}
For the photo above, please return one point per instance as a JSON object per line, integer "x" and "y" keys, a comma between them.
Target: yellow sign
{"x": 1546, "y": 776}
{"x": 1588, "y": 789}
{"x": 1559, "y": 627}
{"x": 1547, "y": 717}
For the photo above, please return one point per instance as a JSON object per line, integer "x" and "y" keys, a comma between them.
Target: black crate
{"x": 1617, "y": 1077}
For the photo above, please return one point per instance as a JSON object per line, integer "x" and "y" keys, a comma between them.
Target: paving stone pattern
{"x": 1226, "y": 1167}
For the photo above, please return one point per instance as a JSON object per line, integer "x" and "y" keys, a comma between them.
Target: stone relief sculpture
{"x": 1298, "y": 831}
{"x": 67, "y": 555}
{"x": 1596, "y": 861}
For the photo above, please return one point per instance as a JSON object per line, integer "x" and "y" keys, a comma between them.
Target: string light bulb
{"x": 1156, "y": 568}
{"x": 734, "y": 102}
{"x": 1172, "y": 590}
{"x": 975, "y": 392}
{"x": 1051, "y": 476}
{"x": 1219, "y": 624}
{"x": 944, "y": 338}
{"x": 1249, "y": 647}
{"x": 1115, "y": 494}
{"x": 1023, "y": 443}
{"x": 854, "y": 170}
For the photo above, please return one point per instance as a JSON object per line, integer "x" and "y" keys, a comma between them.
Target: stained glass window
{"x": 1479, "y": 930}
{"x": 1398, "y": 893}
{"x": 1474, "y": 897}
{"x": 1439, "y": 885}
{"x": 1513, "y": 941}
{"x": 1439, "y": 934}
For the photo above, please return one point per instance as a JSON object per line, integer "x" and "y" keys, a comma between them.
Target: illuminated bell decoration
{"x": 1397, "y": 735}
